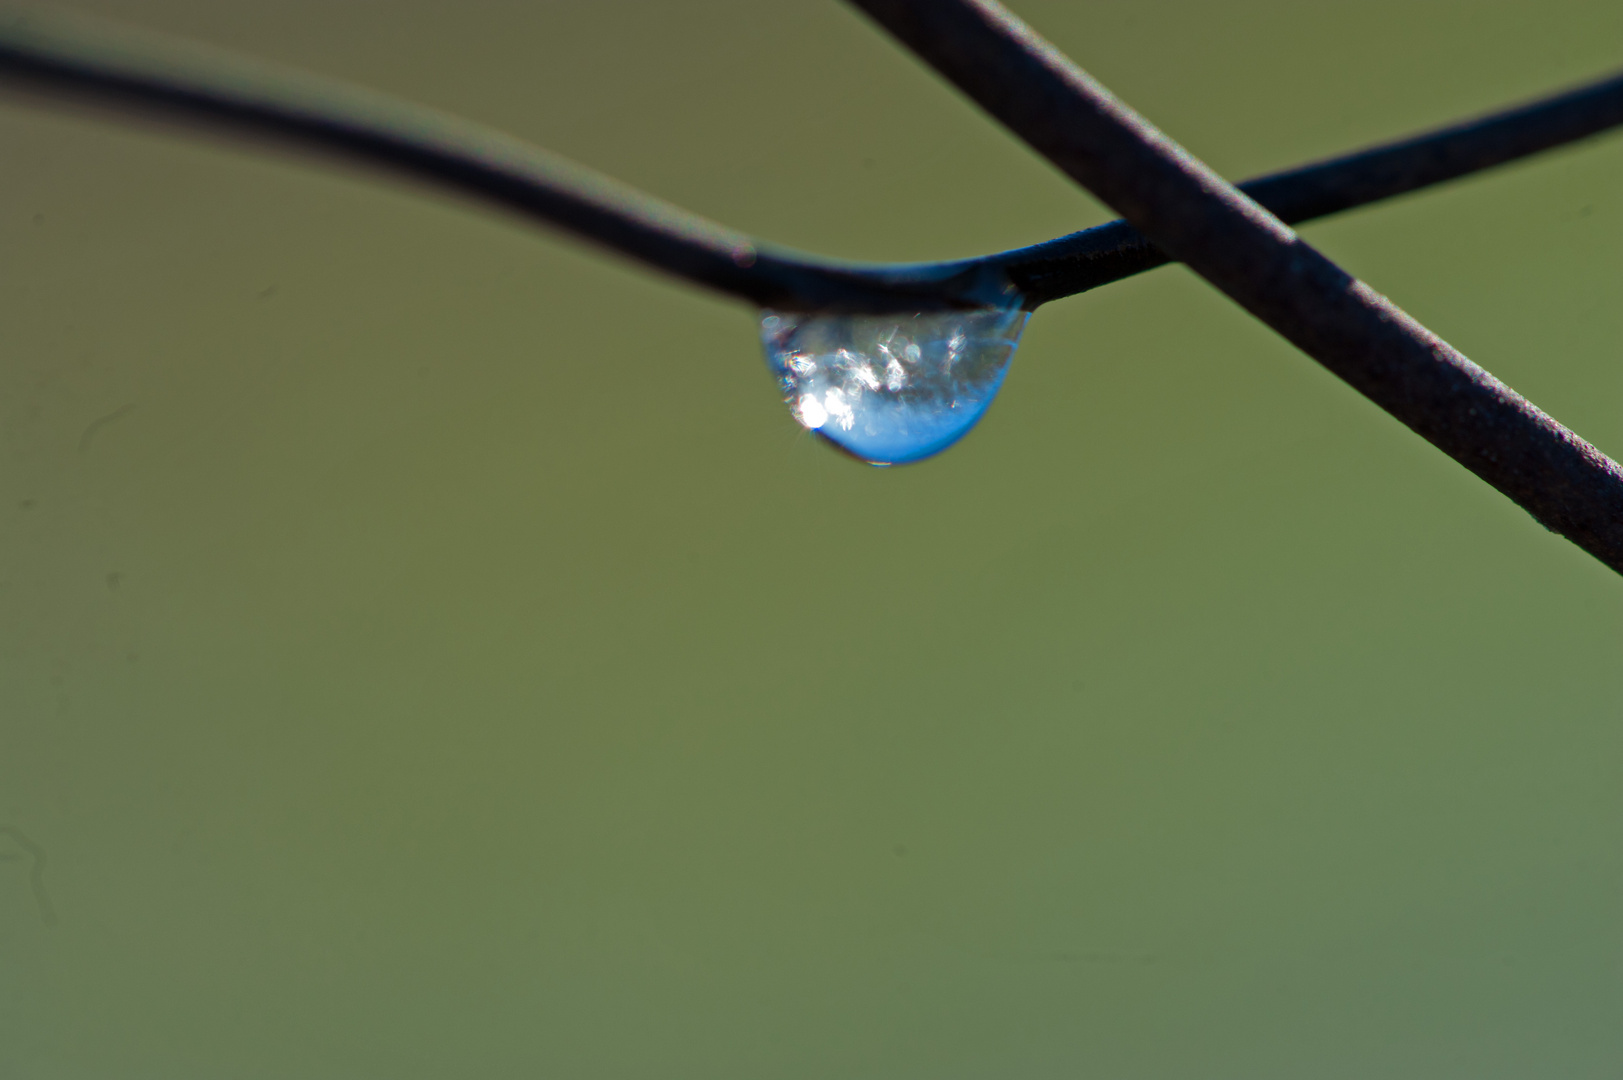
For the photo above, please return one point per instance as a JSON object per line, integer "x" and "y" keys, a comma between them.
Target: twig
{"x": 1116, "y": 250}
{"x": 83, "y": 58}
{"x": 1198, "y": 218}
{"x": 36, "y": 872}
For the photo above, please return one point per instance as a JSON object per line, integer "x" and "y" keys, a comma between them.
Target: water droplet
{"x": 891, "y": 388}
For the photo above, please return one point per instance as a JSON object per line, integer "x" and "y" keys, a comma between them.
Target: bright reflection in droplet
{"x": 891, "y": 388}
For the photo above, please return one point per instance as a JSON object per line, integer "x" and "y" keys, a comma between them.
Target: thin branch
{"x": 1198, "y": 218}
{"x": 36, "y": 872}
{"x": 1117, "y": 250}
{"x": 82, "y": 58}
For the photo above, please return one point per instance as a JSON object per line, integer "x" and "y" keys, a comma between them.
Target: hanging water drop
{"x": 891, "y": 388}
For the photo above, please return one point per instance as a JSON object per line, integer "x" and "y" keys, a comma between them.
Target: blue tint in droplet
{"x": 895, "y": 388}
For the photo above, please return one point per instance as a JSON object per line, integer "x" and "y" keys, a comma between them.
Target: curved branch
{"x": 82, "y": 58}
{"x": 1049, "y": 271}
{"x": 1248, "y": 253}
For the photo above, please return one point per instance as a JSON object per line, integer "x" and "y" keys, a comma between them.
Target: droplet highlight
{"x": 893, "y": 388}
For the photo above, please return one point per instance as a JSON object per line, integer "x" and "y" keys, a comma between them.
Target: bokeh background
{"x": 427, "y": 647}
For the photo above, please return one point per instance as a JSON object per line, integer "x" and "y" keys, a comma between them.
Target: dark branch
{"x": 1198, "y": 218}
{"x": 80, "y": 58}
{"x": 1117, "y": 250}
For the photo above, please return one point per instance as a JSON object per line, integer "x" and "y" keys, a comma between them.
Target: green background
{"x": 428, "y": 648}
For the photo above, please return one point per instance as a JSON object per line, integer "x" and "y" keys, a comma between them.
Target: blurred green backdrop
{"x": 427, "y": 647}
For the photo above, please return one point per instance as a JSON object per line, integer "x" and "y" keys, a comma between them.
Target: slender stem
{"x": 1198, "y": 218}
{"x": 1110, "y": 252}
{"x": 83, "y": 58}
{"x": 36, "y": 872}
